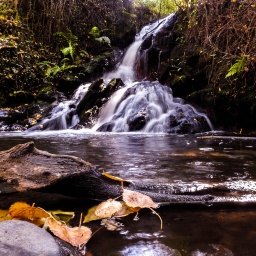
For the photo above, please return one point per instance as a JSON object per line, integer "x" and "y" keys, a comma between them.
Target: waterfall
{"x": 139, "y": 106}
{"x": 63, "y": 115}
{"x": 125, "y": 69}
{"x": 150, "y": 107}
{"x": 147, "y": 106}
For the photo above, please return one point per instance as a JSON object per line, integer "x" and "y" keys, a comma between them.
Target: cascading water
{"x": 147, "y": 106}
{"x": 150, "y": 107}
{"x": 125, "y": 69}
{"x": 138, "y": 106}
{"x": 63, "y": 116}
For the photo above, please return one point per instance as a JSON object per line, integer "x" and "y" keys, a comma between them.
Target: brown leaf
{"x": 75, "y": 236}
{"x": 135, "y": 199}
{"x": 108, "y": 208}
{"x": 125, "y": 210}
{"x": 23, "y": 211}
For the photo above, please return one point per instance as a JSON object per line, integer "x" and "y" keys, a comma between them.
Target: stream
{"x": 189, "y": 163}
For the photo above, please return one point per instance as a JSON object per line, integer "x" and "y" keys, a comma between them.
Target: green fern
{"x": 237, "y": 67}
{"x": 72, "y": 41}
{"x": 53, "y": 69}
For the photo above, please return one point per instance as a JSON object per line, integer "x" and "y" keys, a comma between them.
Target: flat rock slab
{"x": 20, "y": 238}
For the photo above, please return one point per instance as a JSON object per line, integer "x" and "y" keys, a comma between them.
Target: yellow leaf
{"x": 135, "y": 199}
{"x": 4, "y": 215}
{"x": 112, "y": 177}
{"x": 75, "y": 236}
{"x": 23, "y": 211}
{"x": 91, "y": 215}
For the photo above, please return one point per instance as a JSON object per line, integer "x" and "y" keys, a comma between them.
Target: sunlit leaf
{"x": 4, "y": 215}
{"x": 75, "y": 236}
{"x": 23, "y": 211}
{"x": 135, "y": 199}
{"x": 125, "y": 210}
{"x": 91, "y": 215}
{"x": 108, "y": 208}
{"x": 112, "y": 177}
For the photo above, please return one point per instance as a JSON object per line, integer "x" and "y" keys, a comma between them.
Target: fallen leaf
{"x": 112, "y": 177}
{"x": 108, "y": 208}
{"x": 125, "y": 210}
{"x": 4, "y": 215}
{"x": 23, "y": 211}
{"x": 63, "y": 216}
{"x": 135, "y": 199}
{"x": 75, "y": 236}
{"x": 90, "y": 216}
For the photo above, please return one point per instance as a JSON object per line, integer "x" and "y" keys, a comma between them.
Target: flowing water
{"x": 140, "y": 106}
{"x": 190, "y": 164}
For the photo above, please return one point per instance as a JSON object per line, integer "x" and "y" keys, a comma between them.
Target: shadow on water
{"x": 191, "y": 164}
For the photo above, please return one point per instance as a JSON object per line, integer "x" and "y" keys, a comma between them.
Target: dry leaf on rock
{"x": 24, "y": 211}
{"x": 108, "y": 208}
{"x": 135, "y": 199}
{"x": 75, "y": 236}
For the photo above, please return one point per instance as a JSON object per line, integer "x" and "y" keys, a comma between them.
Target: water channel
{"x": 190, "y": 164}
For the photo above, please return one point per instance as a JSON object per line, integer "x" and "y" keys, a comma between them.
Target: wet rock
{"x": 97, "y": 95}
{"x": 155, "y": 49}
{"x": 107, "y": 127}
{"x": 187, "y": 125}
{"x": 18, "y": 238}
{"x": 138, "y": 121}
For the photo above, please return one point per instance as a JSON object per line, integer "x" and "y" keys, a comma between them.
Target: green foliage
{"x": 95, "y": 32}
{"x": 237, "y": 67}
{"x": 162, "y": 7}
{"x": 72, "y": 41}
{"x": 52, "y": 69}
